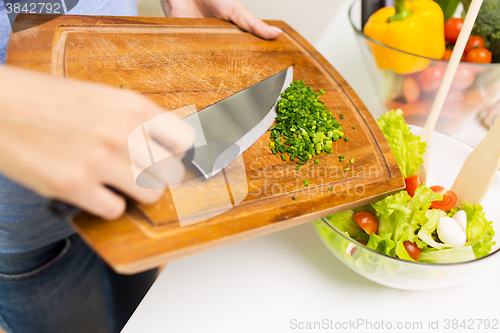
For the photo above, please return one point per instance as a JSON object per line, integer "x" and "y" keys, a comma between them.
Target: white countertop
{"x": 283, "y": 281}
{"x": 263, "y": 284}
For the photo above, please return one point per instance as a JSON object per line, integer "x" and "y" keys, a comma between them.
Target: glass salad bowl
{"x": 475, "y": 87}
{"x": 447, "y": 158}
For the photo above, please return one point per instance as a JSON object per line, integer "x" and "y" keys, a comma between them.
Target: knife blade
{"x": 223, "y": 131}
{"x": 226, "y": 129}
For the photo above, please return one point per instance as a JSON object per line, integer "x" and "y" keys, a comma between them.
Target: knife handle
{"x": 62, "y": 209}
{"x": 188, "y": 157}
{"x": 67, "y": 211}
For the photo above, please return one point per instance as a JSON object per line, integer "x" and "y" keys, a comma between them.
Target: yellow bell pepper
{"x": 416, "y": 27}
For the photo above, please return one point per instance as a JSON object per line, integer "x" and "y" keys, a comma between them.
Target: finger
{"x": 251, "y": 23}
{"x": 171, "y": 164}
{"x": 119, "y": 176}
{"x": 157, "y": 170}
{"x": 100, "y": 201}
{"x": 170, "y": 131}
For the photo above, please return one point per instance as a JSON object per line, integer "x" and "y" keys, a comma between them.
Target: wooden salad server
{"x": 479, "y": 169}
{"x": 437, "y": 106}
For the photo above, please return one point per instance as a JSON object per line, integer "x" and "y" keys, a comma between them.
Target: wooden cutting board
{"x": 181, "y": 62}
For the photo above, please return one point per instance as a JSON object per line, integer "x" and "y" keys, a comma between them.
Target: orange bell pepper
{"x": 415, "y": 27}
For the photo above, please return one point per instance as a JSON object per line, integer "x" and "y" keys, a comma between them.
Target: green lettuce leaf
{"x": 345, "y": 221}
{"x": 383, "y": 243}
{"x": 479, "y": 230}
{"x": 447, "y": 256}
{"x": 406, "y": 147}
{"x": 403, "y": 218}
{"x": 427, "y": 233}
{"x": 423, "y": 198}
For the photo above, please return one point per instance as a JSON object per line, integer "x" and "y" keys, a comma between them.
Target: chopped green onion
{"x": 294, "y": 198}
{"x": 341, "y": 116}
{"x": 346, "y": 139}
{"x": 316, "y": 161}
{"x": 306, "y": 182}
{"x": 330, "y": 189}
{"x": 341, "y": 158}
{"x": 353, "y": 127}
{"x": 351, "y": 160}
{"x": 305, "y": 128}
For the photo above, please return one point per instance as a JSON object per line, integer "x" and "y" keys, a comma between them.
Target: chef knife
{"x": 223, "y": 131}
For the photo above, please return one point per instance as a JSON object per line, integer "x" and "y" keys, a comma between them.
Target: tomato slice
{"x": 412, "y": 183}
{"x": 449, "y": 198}
{"x": 413, "y": 250}
{"x": 368, "y": 222}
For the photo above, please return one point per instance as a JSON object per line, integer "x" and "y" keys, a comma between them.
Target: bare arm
{"x": 66, "y": 139}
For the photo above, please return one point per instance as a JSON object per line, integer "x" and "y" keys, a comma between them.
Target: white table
{"x": 281, "y": 282}
{"x": 264, "y": 284}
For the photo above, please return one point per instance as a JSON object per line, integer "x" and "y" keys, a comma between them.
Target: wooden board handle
{"x": 68, "y": 211}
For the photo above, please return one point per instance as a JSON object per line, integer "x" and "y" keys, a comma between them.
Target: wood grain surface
{"x": 180, "y": 62}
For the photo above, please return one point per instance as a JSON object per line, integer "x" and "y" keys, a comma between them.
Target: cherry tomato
{"x": 473, "y": 43}
{"x": 431, "y": 77}
{"x": 447, "y": 54}
{"x": 452, "y": 29}
{"x": 464, "y": 76}
{"x": 479, "y": 56}
{"x": 412, "y": 249}
{"x": 411, "y": 90}
{"x": 412, "y": 183}
{"x": 449, "y": 198}
{"x": 455, "y": 96}
{"x": 368, "y": 222}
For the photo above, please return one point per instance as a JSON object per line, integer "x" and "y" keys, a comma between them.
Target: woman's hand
{"x": 229, "y": 10}
{"x": 67, "y": 140}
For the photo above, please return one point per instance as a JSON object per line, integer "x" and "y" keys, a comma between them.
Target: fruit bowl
{"x": 447, "y": 158}
{"x": 475, "y": 87}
